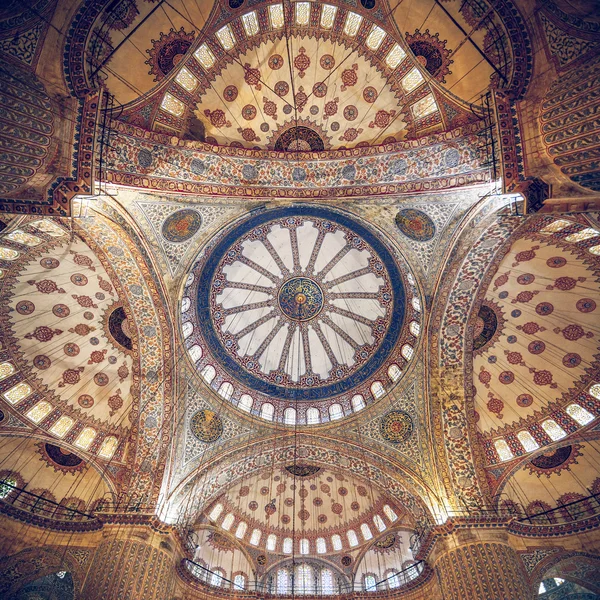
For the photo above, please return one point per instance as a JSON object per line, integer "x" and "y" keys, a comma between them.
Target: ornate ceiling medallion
{"x": 167, "y": 52}
{"x": 301, "y": 136}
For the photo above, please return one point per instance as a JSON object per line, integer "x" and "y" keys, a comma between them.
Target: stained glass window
{"x": 394, "y": 372}
{"x": 239, "y": 581}
{"x": 6, "y": 369}
{"x": 393, "y": 580}
{"x": 8, "y": 253}
{"x": 389, "y": 513}
{"x": 595, "y": 390}
{"x": 196, "y": 352}
{"x": 358, "y": 402}
{"x": 39, "y": 411}
{"x": 313, "y": 416}
{"x": 553, "y": 429}
{"x": 7, "y": 486}
{"x": 415, "y": 328}
{"x": 62, "y": 426}
{"x": 328, "y": 13}
{"x": 287, "y": 546}
{"x": 302, "y": 13}
{"x": 228, "y": 521}
{"x": 352, "y": 537}
{"x": 109, "y": 445}
{"x": 395, "y": 56}
{"x": 366, "y": 532}
{"x": 305, "y": 581}
{"x": 336, "y": 412}
{"x": 579, "y": 414}
{"x": 240, "y": 532}
{"x": 271, "y": 542}
{"x": 172, "y": 105}
{"x": 216, "y": 579}
{"x": 407, "y": 351}
{"x": 255, "y": 537}
{"x": 327, "y": 586}
{"x": 186, "y": 79}
{"x": 246, "y": 402}
{"x": 250, "y": 23}
{"x": 336, "y": 541}
{"x": 215, "y": 513}
{"x": 527, "y": 441}
{"x": 352, "y": 24}
{"x": 85, "y": 438}
{"x": 379, "y": 523}
{"x": 283, "y": 581}
{"x": 556, "y": 226}
{"x": 18, "y": 392}
{"x": 375, "y": 37}
{"x": 370, "y": 583}
{"x": 266, "y": 411}
{"x": 321, "y": 546}
{"x": 425, "y": 106}
{"x": 289, "y": 416}
{"x": 377, "y": 389}
{"x": 22, "y": 237}
{"x": 226, "y": 390}
{"x": 208, "y": 373}
{"x": 226, "y": 37}
{"x": 581, "y": 236}
{"x": 504, "y": 452}
{"x": 304, "y": 546}
{"x": 412, "y": 80}
{"x": 276, "y": 15}
{"x": 204, "y": 56}
{"x": 595, "y": 250}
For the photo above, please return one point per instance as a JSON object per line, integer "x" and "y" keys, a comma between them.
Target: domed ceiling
{"x": 300, "y": 307}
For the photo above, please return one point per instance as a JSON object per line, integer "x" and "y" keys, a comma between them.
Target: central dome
{"x": 296, "y": 304}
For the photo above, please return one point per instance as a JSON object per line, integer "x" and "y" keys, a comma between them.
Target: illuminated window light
{"x": 109, "y": 446}
{"x": 228, "y": 522}
{"x": 172, "y": 105}
{"x": 336, "y": 542}
{"x": 85, "y": 438}
{"x": 321, "y": 546}
{"x": 49, "y": 227}
{"x": 255, "y": 537}
{"x": 289, "y": 416}
{"x": 416, "y": 304}
{"x": 215, "y": 513}
{"x": 240, "y": 532}
{"x": 595, "y": 390}
{"x": 504, "y": 452}
{"x": 226, "y": 37}
{"x": 375, "y": 38}
{"x": 246, "y": 402}
{"x": 379, "y": 523}
{"x": 1, "y": 273}
{"x": 328, "y": 13}
{"x": 366, "y": 532}
{"x": 226, "y": 390}
{"x": 553, "y": 429}
{"x": 8, "y": 254}
{"x": 186, "y": 79}
{"x": 276, "y": 15}
{"x": 267, "y": 411}
{"x": 389, "y": 513}
{"x": 425, "y": 106}
{"x": 358, "y": 402}
{"x": 39, "y": 411}
{"x": 395, "y": 56}
{"x": 394, "y": 372}
{"x": 407, "y": 351}
{"x": 415, "y": 328}
{"x": 377, "y": 389}
{"x": 185, "y": 304}
{"x": 370, "y": 583}
{"x": 18, "y": 392}
{"x": 412, "y": 80}
{"x": 204, "y": 56}
{"x": 581, "y": 236}
{"x": 352, "y": 24}
{"x": 336, "y": 412}
{"x": 527, "y": 441}
{"x": 302, "y": 13}
{"x": 287, "y": 546}
{"x": 556, "y": 226}
{"x": 6, "y": 370}
{"x": 271, "y": 542}
{"x": 62, "y": 426}
{"x": 579, "y": 414}
{"x": 187, "y": 329}
{"x": 250, "y": 23}
{"x": 313, "y": 416}
{"x": 304, "y": 546}
{"x": 22, "y": 237}
{"x": 352, "y": 537}
{"x": 595, "y": 250}
{"x": 195, "y": 352}
{"x": 208, "y": 373}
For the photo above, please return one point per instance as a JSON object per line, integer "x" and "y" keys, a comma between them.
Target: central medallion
{"x": 300, "y": 299}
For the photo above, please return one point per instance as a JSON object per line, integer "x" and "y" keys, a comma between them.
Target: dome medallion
{"x": 300, "y": 307}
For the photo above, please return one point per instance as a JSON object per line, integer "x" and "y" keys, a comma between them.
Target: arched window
{"x": 246, "y": 402}
{"x": 595, "y": 250}
{"x": 377, "y": 389}
{"x": 255, "y": 537}
{"x": 379, "y": 523}
{"x": 358, "y": 402}
{"x": 271, "y": 542}
{"x": 305, "y": 580}
{"x": 321, "y": 546}
{"x": 283, "y": 581}
{"x": 239, "y": 582}
{"x": 109, "y": 445}
{"x": 189, "y": 280}
{"x": 240, "y": 532}
{"x": 6, "y": 369}
{"x": 595, "y": 390}
{"x": 187, "y": 329}
{"x": 336, "y": 541}
{"x": 266, "y": 411}
{"x": 289, "y": 416}
{"x": 581, "y": 236}
{"x": 208, "y": 373}
{"x": 415, "y": 328}
{"x": 553, "y": 429}
{"x": 366, "y": 532}
{"x": 504, "y": 452}
{"x": 527, "y": 441}
{"x": 195, "y": 352}
{"x": 370, "y": 583}
{"x": 18, "y": 392}
{"x": 407, "y": 351}
{"x": 226, "y": 390}
{"x": 62, "y": 426}
{"x": 416, "y": 304}
{"x": 287, "y": 546}
{"x": 556, "y": 226}
{"x": 393, "y": 580}
{"x": 7, "y": 486}
{"x": 85, "y": 438}
{"x": 394, "y": 372}
{"x": 304, "y": 546}
{"x": 389, "y": 513}
{"x": 579, "y": 414}
{"x": 8, "y": 254}
{"x": 215, "y": 513}
{"x": 336, "y": 412}
{"x": 185, "y": 304}
{"x": 313, "y": 416}
{"x": 228, "y": 521}
{"x": 216, "y": 577}
{"x": 352, "y": 537}
{"x": 39, "y": 411}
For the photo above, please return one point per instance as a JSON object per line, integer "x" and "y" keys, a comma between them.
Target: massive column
{"x": 131, "y": 563}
